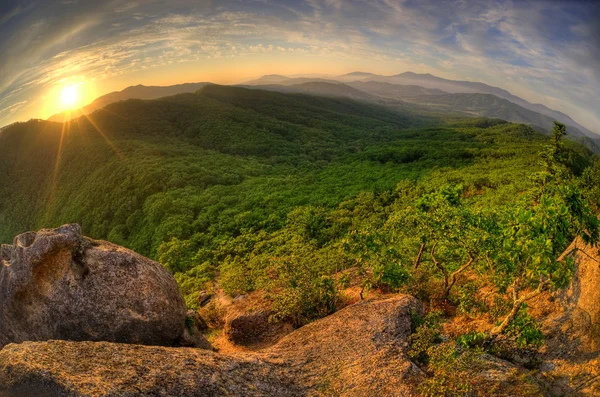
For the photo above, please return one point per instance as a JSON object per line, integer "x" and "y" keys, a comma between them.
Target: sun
{"x": 69, "y": 97}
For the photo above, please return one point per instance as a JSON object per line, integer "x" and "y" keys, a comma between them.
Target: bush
{"x": 427, "y": 333}
{"x": 449, "y": 371}
{"x": 300, "y": 292}
{"x": 213, "y": 315}
{"x": 466, "y": 295}
{"x": 525, "y": 330}
{"x": 472, "y": 340}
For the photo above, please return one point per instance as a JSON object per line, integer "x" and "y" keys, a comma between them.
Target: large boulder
{"x": 358, "y": 351}
{"x": 571, "y": 325}
{"x": 58, "y": 284}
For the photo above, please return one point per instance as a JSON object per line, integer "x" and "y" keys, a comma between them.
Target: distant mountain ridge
{"x": 407, "y": 87}
{"x": 456, "y": 86}
{"x": 334, "y": 89}
{"x": 433, "y": 101}
{"x": 394, "y": 91}
{"x": 282, "y": 80}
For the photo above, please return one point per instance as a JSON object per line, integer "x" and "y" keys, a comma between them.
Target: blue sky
{"x": 544, "y": 51}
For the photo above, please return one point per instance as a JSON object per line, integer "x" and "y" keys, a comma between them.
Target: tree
{"x": 555, "y": 157}
{"x": 527, "y": 257}
{"x": 454, "y": 232}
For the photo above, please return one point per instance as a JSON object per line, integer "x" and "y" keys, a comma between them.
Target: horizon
{"x": 242, "y": 82}
{"x": 63, "y": 54}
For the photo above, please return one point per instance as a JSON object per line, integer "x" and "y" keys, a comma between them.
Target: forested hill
{"x": 182, "y": 177}
{"x": 208, "y": 142}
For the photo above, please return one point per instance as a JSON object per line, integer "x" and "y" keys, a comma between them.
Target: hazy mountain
{"x": 394, "y": 91}
{"x": 428, "y": 82}
{"x": 268, "y": 79}
{"x": 283, "y": 80}
{"x": 431, "y": 101}
{"x": 399, "y": 91}
{"x": 492, "y": 106}
{"x": 133, "y": 92}
{"x": 320, "y": 88}
{"x": 487, "y": 105}
{"x": 455, "y": 86}
{"x": 354, "y": 76}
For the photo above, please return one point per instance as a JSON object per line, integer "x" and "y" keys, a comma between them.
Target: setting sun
{"x": 69, "y": 97}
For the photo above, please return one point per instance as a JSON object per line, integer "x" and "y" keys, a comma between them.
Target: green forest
{"x": 290, "y": 193}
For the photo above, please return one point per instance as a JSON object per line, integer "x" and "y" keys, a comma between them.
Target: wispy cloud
{"x": 544, "y": 51}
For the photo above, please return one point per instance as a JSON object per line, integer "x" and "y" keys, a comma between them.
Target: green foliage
{"x": 449, "y": 370}
{"x": 301, "y": 295}
{"x": 534, "y": 233}
{"x": 466, "y": 297}
{"x": 526, "y": 330}
{"x": 472, "y": 340}
{"x": 377, "y": 259}
{"x": 590, "y": 184}
{"x": 426, "y": 334}
{"x": 458, "y": 234}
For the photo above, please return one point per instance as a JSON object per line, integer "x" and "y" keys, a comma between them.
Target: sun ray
{"x": 65, "y": 127}
{"x": 104, "y": 136}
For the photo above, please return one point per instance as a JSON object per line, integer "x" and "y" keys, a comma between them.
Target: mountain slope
{"x": 487, "y": 105}
{"x": 393, "y": 91}
{"x": 320, "y": 88}
{"x": 428, "y": 101}
{"x": 222, "y": 136}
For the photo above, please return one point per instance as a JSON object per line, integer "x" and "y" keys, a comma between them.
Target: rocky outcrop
{"x": 357, "y": 351}
{"x": 582, "y": 300}
{"x": 571, "y": 325}
{"x": 58, "y": 284}
{"x": 61, "y": 368}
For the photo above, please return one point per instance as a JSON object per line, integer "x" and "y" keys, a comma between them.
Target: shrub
{"x": 472, "y": 340}
{"x": 213, "y": 314}
{"x": 300, "y": 292}
{"x": 525, "y": 330}
{"x": 427, "y": 333}
{"x": 466, "y": 295}
{"x": 449, "y": 371}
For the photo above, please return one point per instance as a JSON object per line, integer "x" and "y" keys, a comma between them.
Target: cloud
{"x": 543, "y": 51}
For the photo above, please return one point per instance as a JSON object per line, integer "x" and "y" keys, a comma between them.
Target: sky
{"x": 543, "y": 51}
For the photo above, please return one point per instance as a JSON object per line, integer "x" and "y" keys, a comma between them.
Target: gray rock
{"x": 58, "y": 284}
